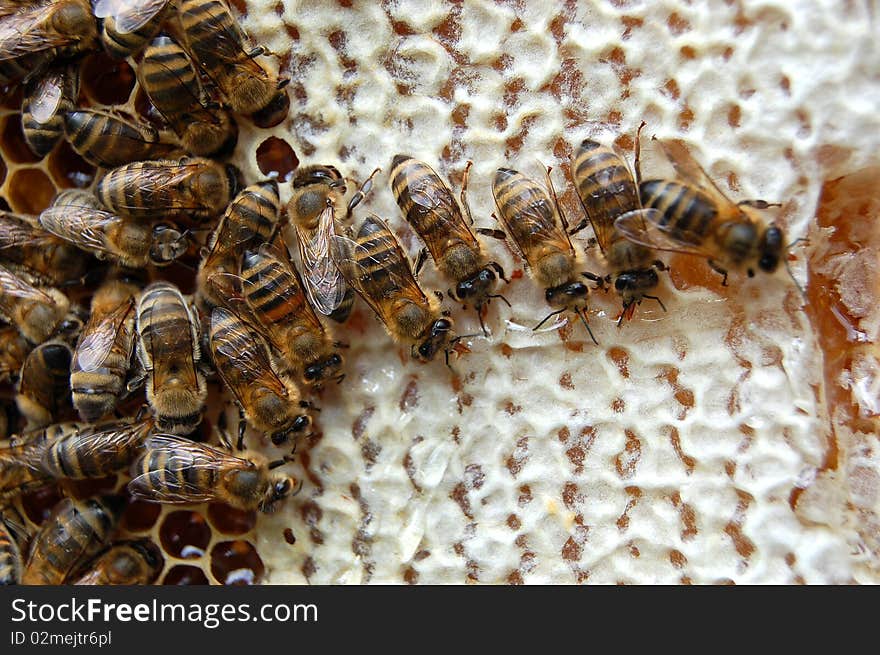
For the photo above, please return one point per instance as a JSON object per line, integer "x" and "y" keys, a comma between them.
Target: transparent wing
{"x": 324, "y": 284}
{"x": 533, "y": 226}
{"x": 95, "y": 345}
{"x": 687, "y": 168}
{"x": 160, "y": 179}
{"x": 99, "y": 442}
{"x": 46, "y": 96}
{"x": 434, "y": 197}
{"x": 220, "y": 39}
{"x": 84, "y": 226}
{"x": 643, "y": 227}
{"x": 15, "y": 234}
{"x": 13, "y": 286}
{"x": 130, "y": 15}
{"x": 23, "y": 34}
{"x": 244, "y": 349}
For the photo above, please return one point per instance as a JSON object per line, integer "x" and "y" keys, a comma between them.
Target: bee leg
{"x": 586, "y": 325}
{"x": 479, "y": 310}
{"x": 306, "y": 404}
{"x": 580, "y": 226}
{"x": 500, "y": 271}
{"x": 222, "y": 433}
{"x": 242, "y": 427}
{"x": 495, "y": 234}
{"x": 256, "y": 51}
{"x": 758, "y": 204}
{"x": 361, "y": 193}
{"x": 659, "y": 302}
{"x": 598, "y": 279}
{"x": 548, "y": 317}
{"x": 498, "y": 295}
{"x": 559, "y": 211}
{"x": 463, "y": 196}
{"x": 282, "y": 82}
{"x": 718, "y": 269}
{"x": 659, "y": 265}
{"x": 420, "y": 261}
{"x": 340, "y": 378}
{"x": 638, "y": 154}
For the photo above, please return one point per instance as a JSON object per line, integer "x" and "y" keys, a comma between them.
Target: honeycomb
{"x": 732, "y": 438}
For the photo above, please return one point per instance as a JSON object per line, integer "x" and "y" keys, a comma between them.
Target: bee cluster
{"x": 258, "y": 325}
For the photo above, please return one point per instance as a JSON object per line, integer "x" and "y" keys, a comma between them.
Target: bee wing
{"x": 159, "y": 178}
{"x": 438, "y": 201}
{"x": 324, "y": 284}
{"x": 643, "y": 227}
{"x": 687, "y": 168}
{"x": 95, "y": 345}
{"x": 245, "y": 348}
{"x": 539, "y": 228}
{"x": 15, "y": 234}
{"x": 101, "y": 441}
{"x": 86, "y": 225}
{"x": 130, "y": 15}
{"x": 13, "y": 286}
{"x": 24, "y": 34}
{"x": 46, "y": 96}
{"x": 220, "y": 39}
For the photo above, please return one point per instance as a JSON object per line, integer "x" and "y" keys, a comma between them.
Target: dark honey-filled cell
{"x": 276, "y": 158}
{"x": 140, "y": 516}
{"x": 30, "y": 191}
{"x": 87, "y": 488}
{"x": 68, "y": 169}
{"x": 236, "y": 563}
{"x": 4, "y": 205}
{"x": 185, "y": 534}
{"x": 38, "y": 504}
{"x": 105, "y": 80}
{"x": 185, "y": 575}
{"x": 15, "y": 148}
{"x": 145, "y": 109}
{"x": 11, "y": 98}
{"x": 229, "y": 520}
{"x": 2, "y": 170}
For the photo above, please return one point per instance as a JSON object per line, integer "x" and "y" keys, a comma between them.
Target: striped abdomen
{"x": 95, "y": 452}
{"x": 688, "y": 215}
{"x": 48, "y": 99}
{"x": 10, "y": 557}
{"x": 74, "y": 531}
{"x": 125, "y": 44}
{"x": 169, "y": 77}
{"x": 44, "y": 388}
{"x": 272, "y": 290}
{"x": 381, "y": 258}
{"x": 164, "y": 327}
{"x": 106, "y": 140}
{"x": 161, "y": 470}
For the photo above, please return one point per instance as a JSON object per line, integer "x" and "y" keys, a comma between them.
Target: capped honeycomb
{"x": 730, "y": 438}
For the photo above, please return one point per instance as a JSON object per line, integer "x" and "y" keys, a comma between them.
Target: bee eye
{"x": 312, "y": 372}
{"x": 282, "y": 488}
{"x": 335, "y": 360}
{"x": 301, "y": 423}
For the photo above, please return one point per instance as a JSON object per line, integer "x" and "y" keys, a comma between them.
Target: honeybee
{"x": 537, "y": 226}
{"x": 219, "y": 46}
{"x": 608, "y": 192}
{"x": 48, "y": 98}
{"x": 248, "y": 222}
{"x": 169, "y": 354}
{"x": 13, "y": 350}
{"x": 36, "y": 313}
{"x": 20, "y": 463}
{"x": 693, "y": 216}
{"x": 200, "y": 188}
{"x": 103, "y": 353}
{"x": 105, "y": 139}
{"x": 377, "y": 268}
{"x": 175, "y": 470}
{"x": 170, "y": 79}
{"x": 73, "y": 532}
{"x": 77, "y": 217}
{"x": 315, "y": 206}
{"x": 44, "y": 387}
{"x": 428, "y": 206}
{"x": 270, "y": 404}
{"x": 124, "y": 563}
{"x": 95, "y": 451}
{"x": 129, "y": 24}
{"x": 274, "y": 293}
{"x": 36, "y": 254}
{"x": 31, "y": 39}
{"x": 10, "y": 554}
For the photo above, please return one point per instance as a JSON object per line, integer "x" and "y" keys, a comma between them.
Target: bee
{"x": 220, "y": 47}
{"x": 36, "y": 313}
{"x": 129, "y": 24}
{"x": 270, "y": 404}
{"x": 48, "y": 98}
{"x": 169, "y": 354}
{"x": 315, "y": 206}
{"x": 175, "y": 470}
{"x": 36, "y": 254}
{"x": 95, "y": 451}
{"x": 537, "y": 226}
{"x": 77, "y": 217}
{"x": 377, "y": 268}
{"x": 249, "y": 221}
{"x": 274, "y": 292}
{"x": 20, "y": 463}
{"x": 693, "y": 216}
{"x": 103, "y": 353}
{"x": 73, "y": 532}
{"x": 428, "y": 206}
{"x": 170, "y": 79}
{"x": 197, "y": 187}
{"x": 44, "y": 387}
{"x": 32, "y": 38}
{"x": 10, "y": 554}
{"x": 124, "y": 563}
{"x": 608, "y": 192}
{"x": 14, "y": 348}
{"x": 105, "y": 139}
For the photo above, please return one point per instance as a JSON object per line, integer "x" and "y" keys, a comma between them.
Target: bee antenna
{"x": 548, "y": 317}
{"x": 659, "y": 302}
{"x": 498, "y": 295}
{"x": 586, "y": 325}
{"x": 793, "y": 279}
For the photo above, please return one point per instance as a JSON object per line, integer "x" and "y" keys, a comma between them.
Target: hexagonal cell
{"x": 30, "y": 191}
{"x": 276, "y": 158}
{"x": 38, "y": 504}
{"x": 236, "y": 563}
{"x": 87, "y": 488}
{"x": 15, "y": 148}
{"x": 105, "y": 80}
{"x": 2, "y": 171}
{"x": 185, "y": 534}
{"x": 4, "y": 204}
{"x": 185, "y": 575}
{"x": 230, "y": 520}
{"x": 68, "y": 169}
{"x": 140, "y": 516}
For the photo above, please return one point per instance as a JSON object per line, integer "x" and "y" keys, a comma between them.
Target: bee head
{"x": 274, "y": 112}
{"x": 168, "y": 244}
{"x": 300, "y": 424}
{"x": 570, "y": 294}
{"x": 632, "y": 285}
{"x": 324, "y": 369}
{"x": 280, "y": 487}
{"x": 438, "y": 337}
{"x": 476, "y": 287}
{"x": 770, "y": 248}
{"x": 318, "y": 175}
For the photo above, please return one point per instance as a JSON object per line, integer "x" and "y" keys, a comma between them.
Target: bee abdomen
{"x": 687, "y": 214}
{"x": 601, "y": 175}
{"x": 10, "y": 557}
{"x": 120, "y": 44}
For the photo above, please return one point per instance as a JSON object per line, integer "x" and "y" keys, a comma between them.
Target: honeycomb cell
{"x": 185, "y": 575}
{"x": 4, "y": 204}
{"x": 185, "y": 534}
{"x": 30, "y": 191}
{"x": 87, "y": 488}
{"x": 140, "y": 516}
{"x": 15, "y": 148}
{"x": 105, "y": 80}
{"x": 236, "y": 563}
{"x": 2, "y": 171}
{"x": 145, "y": 109}
{"x": 277, "y": 159}
{"x": 11, "y": 99}
{"x": 39, "y": 504}
{"x": 68, "y": 169}
{"x": 229, "y": 520}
